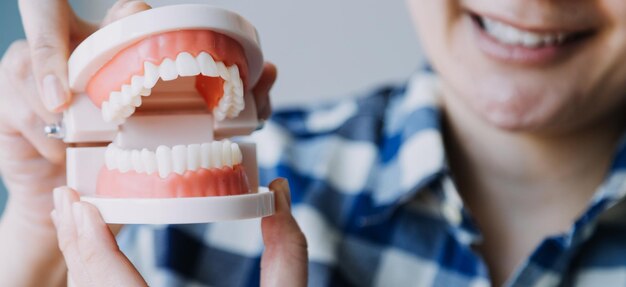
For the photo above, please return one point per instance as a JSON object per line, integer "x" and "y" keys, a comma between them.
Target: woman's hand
{"x": 53, "y": 30}
{"x": 33, "y": 81}
{"x": 90, "y": 249}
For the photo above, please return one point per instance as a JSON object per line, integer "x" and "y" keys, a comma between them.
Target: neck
{"x": 527, "y": 166}
{"x": 522, "y": 187}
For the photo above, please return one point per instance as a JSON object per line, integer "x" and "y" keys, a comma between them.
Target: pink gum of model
{"x": 203, "y": 182}
{"x": 130, "y": 61}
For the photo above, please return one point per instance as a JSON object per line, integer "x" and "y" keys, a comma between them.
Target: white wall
{"x": 323, "y": 48}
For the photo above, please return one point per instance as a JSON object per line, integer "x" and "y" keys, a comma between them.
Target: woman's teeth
{"x": 122, "y": 104}
{"x": 510, "y": 35}
{"x": 178, "y": 159}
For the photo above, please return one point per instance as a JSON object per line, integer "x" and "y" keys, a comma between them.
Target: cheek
{"x": 435, "y": 21}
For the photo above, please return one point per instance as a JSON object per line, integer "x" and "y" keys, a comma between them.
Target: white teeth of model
{"x": 510, "y": 35}
{"x": 236, "y": 153}
{"x": 223, "y": 71}
{"x": 232, "y": 103}
{"x": 123, "y": 103}
{"x": 168, "y": 70}
{"x": 218, "y": 114}
{"x": 193, "y": 157}
{"x": 115, "y": 106}
{"x": 164, "y": 161}
{"x": 109, "y": 157}
{"x": 221, "y": 111}
{"x": 151, "y": 75}
{"x": 138, "y": 165}
{"x": 236, "y": 106}
{"x": 123, "y": 160}
{"x": 149, "y": 161}
{"x": 205, "y": 155}
{"x": 235, "y": 79}
{"x": 127, "y": 111}
{"x": 127, "y": 97}
{"x": 227, "y": 98}
{"x": 145, "y": 92}
{"x": 216, "y": 150}
{"x": 179, "y": 159}
{"x": 136, "y": 84}
{"x": 115, "y": 100}
{"x": 227, "y": 156}
{"x": 238, "y": 96}
{"x": 130, "y": 98}
{"x": 208, "y": 67}
{"x": 187, "y": 65}
{"x": 136, "y": 100}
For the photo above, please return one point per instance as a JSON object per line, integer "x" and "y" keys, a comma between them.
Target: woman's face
{"x": 529, "y": 65}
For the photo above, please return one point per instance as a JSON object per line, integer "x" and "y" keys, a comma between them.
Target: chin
{"x": 516, "y": 108}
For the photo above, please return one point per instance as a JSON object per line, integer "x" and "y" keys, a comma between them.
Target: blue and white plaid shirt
{"x": 374, "y": 196}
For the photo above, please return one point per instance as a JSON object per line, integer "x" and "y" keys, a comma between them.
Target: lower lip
{"x": 517, "y": 54}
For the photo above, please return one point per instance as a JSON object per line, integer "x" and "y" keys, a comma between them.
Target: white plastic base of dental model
{"x": 184, "y": 210}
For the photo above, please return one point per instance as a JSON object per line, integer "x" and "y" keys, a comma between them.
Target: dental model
{"x": 157, "y": 96}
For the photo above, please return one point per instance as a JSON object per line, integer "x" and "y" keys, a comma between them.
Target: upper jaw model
{"x": 164, "y": 94}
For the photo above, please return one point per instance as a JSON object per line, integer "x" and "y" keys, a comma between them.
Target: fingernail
{"x": 282, "y": 194}
{"x": 78, "y": 212}
{"x": 129, "y": 3}
{"x": 284, "y": 184}
{"x": 56, "y": 195}
{"x": 54, "y": 95}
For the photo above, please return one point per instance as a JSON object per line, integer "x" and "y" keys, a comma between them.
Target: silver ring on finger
{"x": 54, "y": 130}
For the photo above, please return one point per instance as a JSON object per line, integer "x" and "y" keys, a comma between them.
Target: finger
{"x": 26, "y": 173}
{"x": 262, "y": 91}
{"x": 18, "y": 73}
{"x": 17, "y": 68}
{"x": 47, "y": 28}
{"x": 63, "y": 219}
{"x": 53, "y": 150}
{"x": 123, "y": 8}
{"x": 26, "y": 119}
{"x": 285, "y": 259}
{"x": 95, "y": 253}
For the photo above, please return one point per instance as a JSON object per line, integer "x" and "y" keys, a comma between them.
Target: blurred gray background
{"x": 324, "y": 49}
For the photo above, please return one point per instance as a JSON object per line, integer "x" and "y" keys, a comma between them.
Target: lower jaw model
{"x": 195, "y": 170}
{"x": 212, "y": 64}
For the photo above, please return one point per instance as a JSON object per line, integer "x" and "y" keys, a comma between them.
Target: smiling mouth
{"x": 510, "y": 35}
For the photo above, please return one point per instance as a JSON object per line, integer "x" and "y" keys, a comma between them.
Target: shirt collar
{"x": 412, "y": 150}
{"x": 413, "y": 127}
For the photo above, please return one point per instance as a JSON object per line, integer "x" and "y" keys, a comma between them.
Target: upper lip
{"x": 548, "y": 27}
